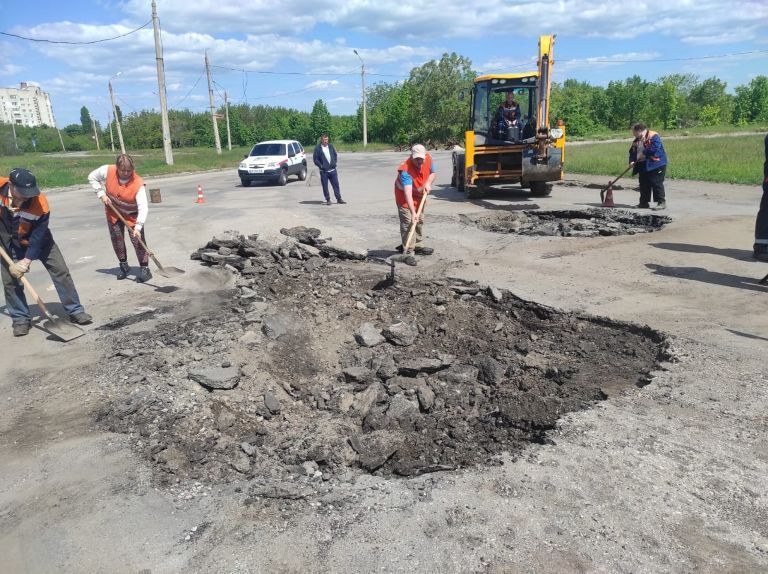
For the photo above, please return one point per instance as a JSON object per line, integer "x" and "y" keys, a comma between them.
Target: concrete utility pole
{"x": 226, "y": 111}
{"x": 111, "y": 137}
{"x": 216, "y": 137}
{"x": 61, "y": 139}
{"x": 365, "y": 113}
{"x": 9, "y": 107}
{"x": 114, "y": 113}
{"x": 161, "y": 87}
{"x": 95, "y": 135}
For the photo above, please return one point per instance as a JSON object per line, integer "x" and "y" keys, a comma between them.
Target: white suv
{"x": 273, "y": 161}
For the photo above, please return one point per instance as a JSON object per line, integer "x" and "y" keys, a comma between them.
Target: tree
{"x": 434, "y": 94}
{"x": 320, "y": 119}
{"x": 85, "y": 120}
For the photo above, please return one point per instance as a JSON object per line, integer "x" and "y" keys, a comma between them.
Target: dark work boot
{"x": 20, "y": 329}
{"x": 144, "y": 275}
{"x": 124, "y": 270}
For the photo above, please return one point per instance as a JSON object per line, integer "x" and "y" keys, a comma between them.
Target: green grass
{"x": 60, "y": 170}
{"x": 718, "y": 159}
{"x": 681, "y": 132}
{"x": 56, "y": 170}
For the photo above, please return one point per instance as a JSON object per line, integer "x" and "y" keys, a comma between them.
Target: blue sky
{"x": 597, "y": 41}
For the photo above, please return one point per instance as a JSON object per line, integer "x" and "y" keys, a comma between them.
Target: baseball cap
{"x": 24, "y": 182}
{"x": 418, "y": 151}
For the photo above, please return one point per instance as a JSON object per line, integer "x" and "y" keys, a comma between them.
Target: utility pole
{"x": 95, "y": 135}
{"x": 9, "y": 107}
{"x": 111, "y": 137}
{"x": 365, "y": 113}
{"x": 226, "y": 111}
{"x": 161, "y": 87}
{"x": 114, "y": 113}
{"x": 216, "y": 137}
{"x": 61, "y": 139}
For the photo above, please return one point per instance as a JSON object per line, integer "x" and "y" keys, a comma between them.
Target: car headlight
{"x": 556, "y": 133}
{"x": 243, "y": 166}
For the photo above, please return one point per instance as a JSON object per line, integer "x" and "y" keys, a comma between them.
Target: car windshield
{"x": 268, "y": 149}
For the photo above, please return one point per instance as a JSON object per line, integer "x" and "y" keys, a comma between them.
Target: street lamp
{"x": 365, "y": 112}
{"x": 114, "y": 113}
{"x": 9, "y": 107}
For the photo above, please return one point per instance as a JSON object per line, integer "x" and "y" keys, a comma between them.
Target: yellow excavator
{"x": 509, "y": 139}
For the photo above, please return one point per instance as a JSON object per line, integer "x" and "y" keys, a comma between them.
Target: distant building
{"x": 26, "y": 105}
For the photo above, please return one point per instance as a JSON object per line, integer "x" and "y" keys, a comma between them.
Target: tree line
{"x": 424, "y": 107}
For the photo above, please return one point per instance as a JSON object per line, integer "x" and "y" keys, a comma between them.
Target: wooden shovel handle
{"x": 28, "y": 286}
{"x": 129, "y": 226}
{"x": 414, "y": 223}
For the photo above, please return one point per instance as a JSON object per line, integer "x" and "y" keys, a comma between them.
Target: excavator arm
{"x": 545, "y": 63}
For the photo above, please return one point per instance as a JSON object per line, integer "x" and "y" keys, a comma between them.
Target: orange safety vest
{"x": 420, "y": 177}
{"x": 24, "y": 215}
{"x": 123, "y": 197}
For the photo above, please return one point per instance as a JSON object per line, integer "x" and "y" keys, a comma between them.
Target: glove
{"x": 18, "y": 269}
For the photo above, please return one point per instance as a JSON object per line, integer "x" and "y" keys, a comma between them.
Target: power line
{"x": 76, "y": 43}
{"x": 179, "y": 102}
{"x": 692, "y": 58}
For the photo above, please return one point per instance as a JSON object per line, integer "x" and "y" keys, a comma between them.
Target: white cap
{"x": 418, "y": 151}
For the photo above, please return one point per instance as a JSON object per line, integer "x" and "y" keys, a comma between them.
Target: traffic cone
{"x": 608, "y": 201}
{"x": 200, "y": 198}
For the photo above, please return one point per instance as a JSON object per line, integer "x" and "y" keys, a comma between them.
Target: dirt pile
{"x": 308, "y": 370}
{"x": 569, "y": 223}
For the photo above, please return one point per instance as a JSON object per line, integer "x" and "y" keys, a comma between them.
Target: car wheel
{"x": 303, "y": 173}
{"x": 245, "y": 182}
{"x": 282, "y": 179}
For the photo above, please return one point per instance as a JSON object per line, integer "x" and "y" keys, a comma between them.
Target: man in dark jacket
{"x": 25, "y": 236}
{"x": 650, "y": 163}
{"x": 324, "y": 158}
{"x": 761, "y": 225}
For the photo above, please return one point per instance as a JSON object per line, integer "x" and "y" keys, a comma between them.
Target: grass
{"x": 678, "y": 132}
{"x": 60, "y": 170}
{"x": 716, "y": 159}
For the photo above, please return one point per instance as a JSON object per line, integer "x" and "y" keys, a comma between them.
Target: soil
{"x": 570, "y": 223}
{"x": 317, "y": 367}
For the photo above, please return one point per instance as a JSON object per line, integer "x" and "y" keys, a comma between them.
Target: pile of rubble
{"x": 308, "y": 370}
{"x": 569, "y": 223}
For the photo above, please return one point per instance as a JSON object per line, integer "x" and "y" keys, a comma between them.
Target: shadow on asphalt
{"x": 741, "y": 254}
{"x": 747, "y": 335}
{"x": 706, "y": 276}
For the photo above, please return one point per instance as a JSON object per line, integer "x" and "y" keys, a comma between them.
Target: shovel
{"x": 64, "y": 330}
{"x": 164, "y": 271}
{"x": 610, "y": 185}
{"x": 405, "y": 257}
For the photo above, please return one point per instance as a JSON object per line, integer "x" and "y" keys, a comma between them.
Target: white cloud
{"x": 9, "y": 69}
{"x": 322, "y": 84}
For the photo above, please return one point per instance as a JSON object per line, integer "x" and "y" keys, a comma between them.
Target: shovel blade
{"x": 62, "y": 329}
{"x": 170, "y": 271}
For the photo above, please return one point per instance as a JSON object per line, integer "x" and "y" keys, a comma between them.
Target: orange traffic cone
{"x": 200, "y": 198}
{"x": 608, "y": 200}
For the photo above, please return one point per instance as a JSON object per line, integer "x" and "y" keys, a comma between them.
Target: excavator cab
{"x": 509, "y": 139}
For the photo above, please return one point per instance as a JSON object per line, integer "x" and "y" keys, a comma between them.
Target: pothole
{"x": 305, "y": 373}
{"x": 569, "y": 223}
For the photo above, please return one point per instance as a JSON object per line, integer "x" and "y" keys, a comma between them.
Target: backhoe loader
{"x": 521, "y": 147}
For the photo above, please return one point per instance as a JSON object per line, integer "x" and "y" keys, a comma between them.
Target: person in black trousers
{"x": 649, "y": 160}
{"x": 324, "y": 158}
{"x": 760, "y": 248}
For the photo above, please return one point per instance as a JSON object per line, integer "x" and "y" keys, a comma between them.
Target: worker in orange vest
{"x": 414, "y": 181}
{"x": 121, "y": 187}
{"x": 25, "y": 237}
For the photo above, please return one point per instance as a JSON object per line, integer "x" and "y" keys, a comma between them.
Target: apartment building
{"x": 26, "y": 105}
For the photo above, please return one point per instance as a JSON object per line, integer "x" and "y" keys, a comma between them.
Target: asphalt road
{"x": 670, "y": 478}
